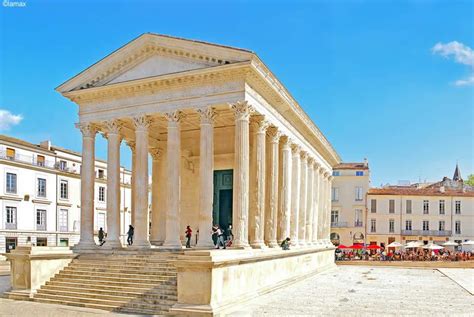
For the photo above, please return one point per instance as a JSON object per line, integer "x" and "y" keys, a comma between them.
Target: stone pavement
{"x": 345, "y": 291}
{"x": 464, "y": 277}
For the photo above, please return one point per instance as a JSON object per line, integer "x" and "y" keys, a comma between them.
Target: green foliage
{"x": 470, "y": 180}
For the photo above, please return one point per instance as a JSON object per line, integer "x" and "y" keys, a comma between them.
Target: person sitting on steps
{"x": 285, "y": 245}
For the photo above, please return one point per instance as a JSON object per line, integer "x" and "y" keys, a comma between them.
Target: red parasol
{"x": 356, "y": 246}
{"x": 373, "y": 247}
{"x": 342, "y": 246}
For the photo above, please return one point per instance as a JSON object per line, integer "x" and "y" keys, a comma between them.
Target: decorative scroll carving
{"x": 274, "y": 134}
{"x": 113, "y": 126}
{"x": 242, "y": 110}
{"x": 207, "y": 115}
{"x": 88, "y": 129}
{"x": 310, "y": 161}
{"x": 285, "y": 141}
{"x": 295, "y": 149}
{"x": 304, "y": 155}
{"x": 156, "y": 153}
{"x": 175, "y": 116}
{"x": 141, "y": 122}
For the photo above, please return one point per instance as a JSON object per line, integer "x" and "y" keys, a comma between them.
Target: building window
{"x": 358, "y": 218}
{"x": 64, "y": 242}
{"x": 335, "y": 194}
{"x": 457, "y": 227}
{"x": 63, "y": 220}
{"x": 41, "y": 242}
{"x": 334, "y": 216}
{"x": 62, "y": 165}
{"x": 10, "y": 153}
{"x": 391, "y": 226}
{"x": 441, "y": 207}
{"x": 100, "y": 173}
{"x": 64, "y": 191}
{"x": 41, "y": 187}
{"x": 359, "y": 173}
{"x": 40, "y": 160}
{"x": 101, "y": 193}
{"x": 10, "y": 218}
{"x": 373, "y": 225}
{"x": 426, "y": 207}
{"x": 408, "y": 207}
{"x": 426, "y": 225}
{"x": 101, "y": 220}
{"x": 336, "y": 173}
{"x": 391, "y": 206}
{"x": 373, "y": 206}
{"x": 358, "y": 193}
{"x": 457, "y": 207}
{"x": 441, "y": 226}
{"x": 41, "y": 219}
{"x": 408, "y": 226}
{"x": 11, "y": 183}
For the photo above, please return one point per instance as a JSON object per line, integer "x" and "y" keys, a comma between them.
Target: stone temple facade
{"x": 228, "y": 145}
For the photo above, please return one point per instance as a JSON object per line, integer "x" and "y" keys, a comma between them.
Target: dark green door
{"x": 222, "y": 211}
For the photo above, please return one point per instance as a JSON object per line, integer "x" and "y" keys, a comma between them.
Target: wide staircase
{"x": 127, "y": 281}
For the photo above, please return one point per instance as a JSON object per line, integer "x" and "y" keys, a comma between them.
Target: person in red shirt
{"x": 188, "y": 233}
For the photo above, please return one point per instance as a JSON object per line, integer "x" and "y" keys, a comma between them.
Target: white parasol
{"x": 450, "y": 244}
{"x": 394, "y": 244}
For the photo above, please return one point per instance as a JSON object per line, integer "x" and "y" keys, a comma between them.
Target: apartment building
{"x": 435, "y": 212}
{"x": 40, "y": 195}
{"x": 348, "y": 202}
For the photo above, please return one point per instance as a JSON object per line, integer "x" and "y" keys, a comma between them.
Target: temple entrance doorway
{"x": 222, "y": 210}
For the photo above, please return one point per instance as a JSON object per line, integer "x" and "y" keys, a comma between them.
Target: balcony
{"x": 437, "y": 233}
{"x": 10, "y": 225}
{"x": 339, "y": 224}
{"x": 31, "y": 160}
{"x": 358, "y": 223}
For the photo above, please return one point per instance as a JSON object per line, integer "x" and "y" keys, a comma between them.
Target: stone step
{"x": 106, "y": 277}
{"x": 132, "y": 287}
{"x": 112, "y": 281}
{"x": 121, "y": 269}
{"x": 170, "y": 294}
{"x": 154, "y": 299}
{"x": 108, "y": 273}
{"x": 78, "y": 304}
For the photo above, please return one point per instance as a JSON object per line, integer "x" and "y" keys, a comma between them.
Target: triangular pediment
{"x": 152, "y": 55}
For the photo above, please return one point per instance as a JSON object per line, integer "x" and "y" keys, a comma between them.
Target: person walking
{"x": 229, "y": 236}
{"x": 220, "y": 238}
{"x": 130, "y": 233}
{"x": 214, "y": 234}
{"x": 188, "y": 233}
{"x": 101, "y": 236}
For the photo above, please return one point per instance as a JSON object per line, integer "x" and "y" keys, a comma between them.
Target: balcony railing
{"x": 26, "y": 159}
{"x": 438, "y": 233}
{"x": 10, "y": 225}
{"x": 358, "y": 223}
{"x": 339, "y": 224}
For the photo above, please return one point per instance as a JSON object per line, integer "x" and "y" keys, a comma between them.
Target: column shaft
{"x": 286, "y": 189}
{"x": 240, "y": 205}
{"x": 157, "y": 198}
{"x": 295, "y": 195}
{"x": 309, "y": 203}
{"x": 206, "y": 177}
{"x": 174, "y": 181}
{"x": 303, "y": 199}
{"x": 272, "y": 181}
{"x": 316, "y": 189}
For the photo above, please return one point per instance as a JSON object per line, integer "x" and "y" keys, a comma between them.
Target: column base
{"x": 177, "y": 245}
{"x": 157, "y": 242}
{"x": 114, "y": 244}
{"x": 85, "y": 245}
{"x": 273, "y": 244}
{"x": 205, "y": 244}
{"x": 145, "y": 244}
{"x": 258, "y": 245}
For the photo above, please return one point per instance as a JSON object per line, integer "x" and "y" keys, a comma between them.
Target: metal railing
{"x": 28, "y": 159}
{"x": 339, "y": 224}
{"x": 358, "y": 223}
{"x": 426, "y": 232}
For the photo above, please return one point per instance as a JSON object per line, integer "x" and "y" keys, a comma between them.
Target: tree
{"x": 470, "y": 180}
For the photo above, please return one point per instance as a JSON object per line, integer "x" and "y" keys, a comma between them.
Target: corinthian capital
{"x": 304, "y": 155}
{"x": 295, "y": 149}
{"x": 88, "y": 129}
{"x": 285, "y": 141}
{"x": 310, "y": 161}
{"x": 274, "y": 134}
{"x": 175, "y": 116}
{"x": 261, "y": 125}
{"x": 156, "y": 153}
{"x": 207, "y": 115}
{"x": 242, "y": 110}
{"x": 141, "y": 122}
{"x": 113, "y": 126}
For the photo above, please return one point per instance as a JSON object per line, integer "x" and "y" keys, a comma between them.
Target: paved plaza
{"x": 344, "y": 291}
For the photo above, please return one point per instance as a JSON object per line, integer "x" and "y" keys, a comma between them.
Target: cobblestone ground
{"x": 367, "y": 291}
{"x": 345, "y": 291}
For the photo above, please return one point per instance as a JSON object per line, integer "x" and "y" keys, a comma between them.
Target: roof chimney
{"x": 441, "y": 189}
{"x": 46, "y": 145}
{"x": 366, "y": 162}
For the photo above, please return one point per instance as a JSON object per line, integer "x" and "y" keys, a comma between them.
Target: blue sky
{"x": 365, "y": 71}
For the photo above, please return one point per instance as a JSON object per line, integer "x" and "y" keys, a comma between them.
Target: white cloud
{"x": 8, "y": 119}
{"x": 465, "y": 82}
{"x": 462, "y": 54}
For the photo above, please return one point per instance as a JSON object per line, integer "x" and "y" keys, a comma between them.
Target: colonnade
{"x": 279, "y": 189}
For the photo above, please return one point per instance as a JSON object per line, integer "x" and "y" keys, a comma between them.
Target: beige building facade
{"x": 348, "y": 203}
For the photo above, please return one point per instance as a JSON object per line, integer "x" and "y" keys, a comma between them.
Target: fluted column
{"x": 174, "y": 180}
{"x": 240, "y": 204}
{"x": 141, "y": 225}
{"x": 113, "y": 183}
{"x": 303, "y": 199}
{"x": 157, "y": 234}
{"x": 257, "y": 183}
{"x": 206, "y": 177}
{"x": 316, "y": 196}
{"x": 272, "y": 180}
{"x": 309, "y": 202}
{"x": 286, "y": 189}
{"x": 295, "y": 194}
{"x": 86, "y": 240}
{"x": 328, "y": 210}
{"x": 322, "y": 195}
{"x": 131, "y": 145}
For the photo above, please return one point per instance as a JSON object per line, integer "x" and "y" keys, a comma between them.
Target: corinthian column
{"x": 257, "y": 174}
{"x": 309, "y": 202}
{"x": 141, "y": 240}
{"x": 295, "y": 194}
{"x": 328, "y": 211}
{"x": 86, "y": 240}
{"x": 240, "y": 204}
{"x": 206, "y": 177}
{"x": 271, "y": 196}
{"x": 131, "y": 144}
{"x": 303, "y": 197}
{"x": 285, "y": 194}
{"x": 174, "y": 180}
{"x": 317, "y": 204}
{"x": 157, "y": 234}
{"x": 113, "y": 184}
